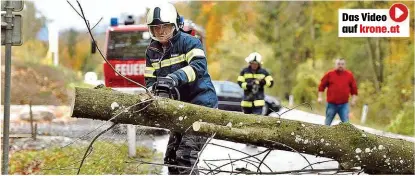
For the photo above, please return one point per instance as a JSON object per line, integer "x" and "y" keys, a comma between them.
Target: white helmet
{"x": 254, "y": 57}
{"x": 165, "y": 13}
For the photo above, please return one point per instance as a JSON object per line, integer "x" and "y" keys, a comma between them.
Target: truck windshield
{"x": 126, "y": 45}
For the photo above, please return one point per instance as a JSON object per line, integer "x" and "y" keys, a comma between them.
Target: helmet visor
{"x": 162, "y": 32}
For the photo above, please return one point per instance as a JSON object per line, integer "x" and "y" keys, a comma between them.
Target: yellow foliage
{"x": 31, "y": 50}
{"x": 215, "y": 26}
{"x": 207, "y": 7}
{"x": 79, "y": 57}
{"x": 182, "y": 8}
{"x": 214, "y": 69}
{"x": 231, "y": 51}
{"x": 327, "y": 27}
{"x": 48, "y": 59}
{"x": 398, "y": 50}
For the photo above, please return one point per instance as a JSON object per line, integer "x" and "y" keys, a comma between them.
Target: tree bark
{"x": 348, "y": 145}
{"x": 313, "y": 36}
{"x": 372, "y": 60}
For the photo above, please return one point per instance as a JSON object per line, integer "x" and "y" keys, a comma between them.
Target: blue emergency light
{"x": 114, "y": 21}
{"x": 181, "y": 22}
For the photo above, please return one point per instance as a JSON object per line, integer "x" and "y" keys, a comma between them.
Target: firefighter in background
{"x": 178, "y": 60}
{"x": 253, "y": 79}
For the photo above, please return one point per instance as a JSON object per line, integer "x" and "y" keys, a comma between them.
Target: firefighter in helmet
{"x": 178, "y": 59}
{"x": 253, "y": 79}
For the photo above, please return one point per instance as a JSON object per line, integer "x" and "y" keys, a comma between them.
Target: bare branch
{"x": 239, "y": 160}
{"x": 247, "y": 161}
{"x": 304, "y": 171}
{"x": 231, "y": 164}
{"x": 259, "y": 170}
{"x": 318, "y": 163}
{"x": 74, "y": 8}
{"x": 90, "y": 145}
{"x": 290, "y": 109}
{"x": 97, "y": 23}
{"x": 292, "y": 150}
{"x": 240, "y": 152}
{"x": 112, "y": 118}
{"x": 200, "y": 153}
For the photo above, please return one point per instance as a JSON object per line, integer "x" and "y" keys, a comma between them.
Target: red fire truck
{"x": 125, "y": 47}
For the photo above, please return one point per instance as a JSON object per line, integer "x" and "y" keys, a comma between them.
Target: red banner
{"x": 133, "y": 69}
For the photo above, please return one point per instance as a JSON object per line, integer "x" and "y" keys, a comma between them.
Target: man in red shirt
{"x": 340, "y": 84}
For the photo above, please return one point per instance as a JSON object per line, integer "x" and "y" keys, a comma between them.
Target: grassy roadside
{"x": 101, "y": 161}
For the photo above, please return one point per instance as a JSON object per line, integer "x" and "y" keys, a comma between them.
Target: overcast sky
{"x": 64, "y": 16}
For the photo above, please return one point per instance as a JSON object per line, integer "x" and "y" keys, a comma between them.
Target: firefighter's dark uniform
{"x": 253, "y": 102}
{"x": 186, "y": 61}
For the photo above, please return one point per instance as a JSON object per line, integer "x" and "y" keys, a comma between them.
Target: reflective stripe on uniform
{"x": 268, "y": 80}
{"x": 259, "y": 103}
{"x": 169, "y": 62}
{"x": 196, "y": 52}
{"x": 190, "y": 73}
{"x": 149, "y": 72}
{"x": 241, "y": 78}
{"x": 246, "y": 103}
{"x": 244, "y": 85}
{"x": 250, "y": 75}
{"x": 259, "y": 76}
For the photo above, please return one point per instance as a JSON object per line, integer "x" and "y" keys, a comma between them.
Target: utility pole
{"x": 11, "y": 30}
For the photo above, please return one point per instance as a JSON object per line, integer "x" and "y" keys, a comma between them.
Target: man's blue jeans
{"x": 333, "y": 109}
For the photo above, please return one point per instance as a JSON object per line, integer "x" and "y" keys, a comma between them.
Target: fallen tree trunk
{"x": 348, "y": 145}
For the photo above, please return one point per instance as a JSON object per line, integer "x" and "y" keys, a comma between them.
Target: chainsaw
{"x": 254, "y": 90}
{"x": 162, "y": 89}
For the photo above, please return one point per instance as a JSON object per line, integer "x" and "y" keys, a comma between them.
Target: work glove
{"x": 169, "y": 81}
{"x": 249, "y": 85}
{"x": 150, "y": 88}
{"x": 262, "y": 82}
{"x": 255, "y": 88}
